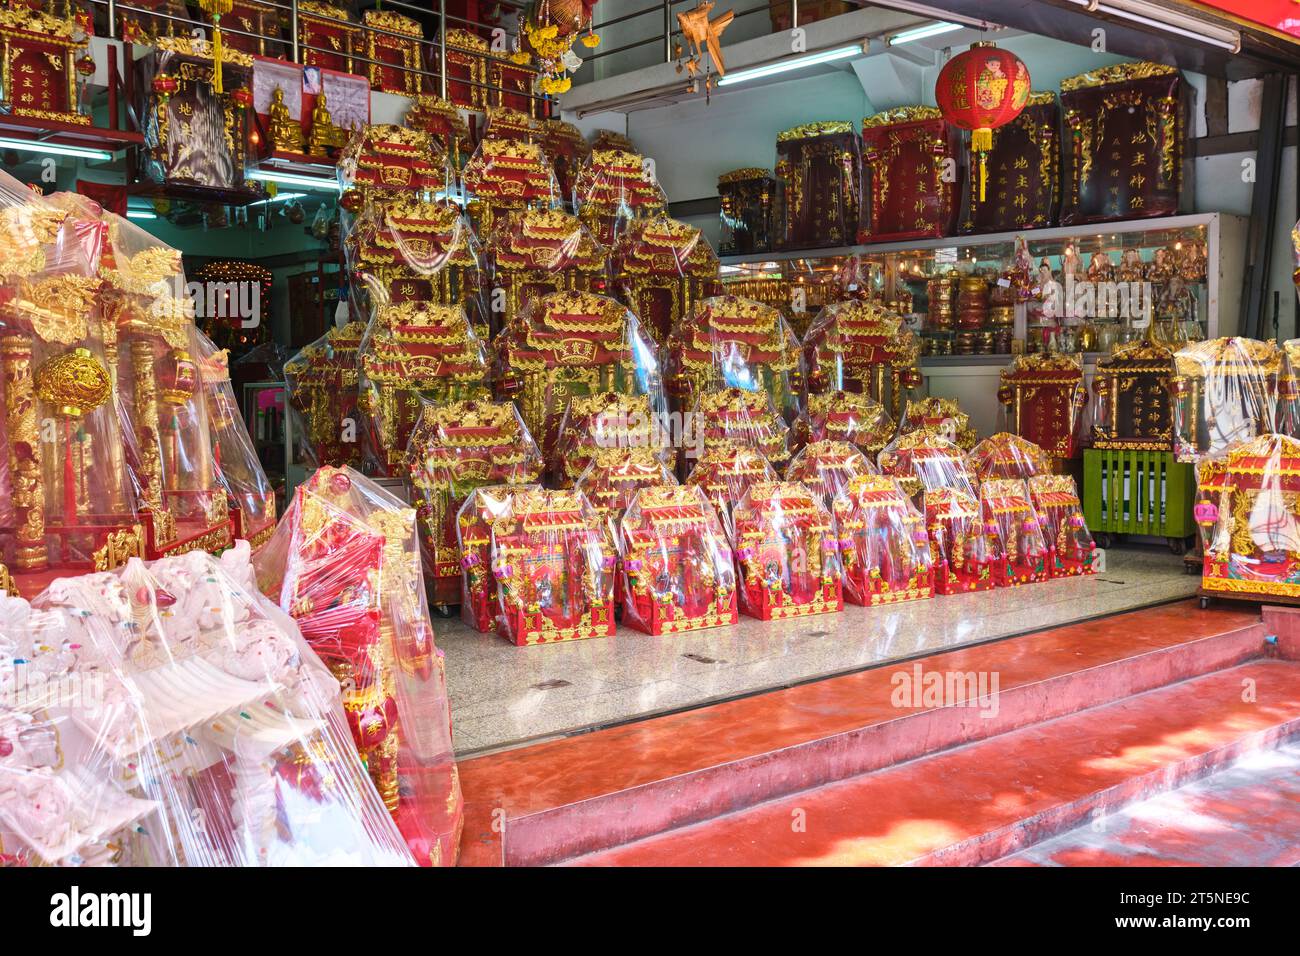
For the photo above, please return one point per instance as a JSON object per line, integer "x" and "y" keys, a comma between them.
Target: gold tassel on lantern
{"x": 216, "y": 9}
{"x": 981, "y": 143}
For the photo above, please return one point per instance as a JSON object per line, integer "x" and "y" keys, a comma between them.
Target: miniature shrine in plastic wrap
{"x": 737, "y": 414}
{"x": 883, "y": 545}
{"x": 676, "y": 563}
{"x": 1020, "y": 550}
{"x": 848, "y": 416}
{"x": 1046, "y": 398}
{"x": 786, "y": 553}
{"x": 960, "y": 544}
{"x": 1224, "y": 392}
{"x": 726, "y": 470}
{"x": 535, "y": 251}
{"x": 554, "y": 567}
{"x": 662, "y": 268}
{"x": 828, "y": 467}
{"x": 605, "y": 420}
{"x": 1070, "y": 544}
{"x": 322, "y": 381}
{"x": 859, "y": 346}
{"x": 943, "y": 416}
{"x": 479, "y": 601}
{"x": 614, "y": 188}
{"x": 455, "y": 448}
{"x": 1007, "y": 456}
{"x": 924, "y": 460}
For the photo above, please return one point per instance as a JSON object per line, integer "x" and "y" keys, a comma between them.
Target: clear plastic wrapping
{"x": 554, "y": 568}
{"x": 1015, "y": 532}
{"x": 923, "y": 461}
{"x": 677, "y": 569}
{"x": 1007, "y": 456}
{"x": 345, "y": 563}
{"x": 859, "y": 346}
{"x": 567, "y": 344}
{"x": 507, "y": 174}
{"x": 662, "y": 267}
{"x": 1047, "y": 401}
{"x": 1246, "y": 513}
{"x": 964, "y": 552}
{"x": 828, "y": 468}
{"x": 848, "y": 416}
{"x": 1069, "y": 542}
{"x": 737, "y": 414}
{"x": 479, "y": 601}
{"x": 606, "y": 420}
{"x": 536, "y": 251}
{"x": 1224, "y": 391}
{"x": 613, "y": 188}
{"x": 322, "y": 383}
{"x": 455, "y": 448}
{"x": 786, "y": 553}
{"x": 883, "y": 545}
{"x": 180, "y": 720}
{"x": 944, "y": 417}
{"x": 382, "y": 156}
{"x": 730, "y": 342}
{"x": 614, "y": 476}
{"x": 727, "y": 470}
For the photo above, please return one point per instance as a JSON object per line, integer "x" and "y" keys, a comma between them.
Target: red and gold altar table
{"x": 613, "y": 189}
{"x": 533, "y": 252}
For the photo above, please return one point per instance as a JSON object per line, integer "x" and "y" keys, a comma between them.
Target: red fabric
{"x": 112, "y": 198}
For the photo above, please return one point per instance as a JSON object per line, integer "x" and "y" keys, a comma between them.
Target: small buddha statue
{"x": 323, "y": 131}
{"x": 1130, "y": 266}
{"x": 286, "y": 132}
{"x": 1161, "y": 267}
{"x": 1100, "y": 268}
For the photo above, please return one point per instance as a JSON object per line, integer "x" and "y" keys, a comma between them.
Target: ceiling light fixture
{"x": 792, "y": 63}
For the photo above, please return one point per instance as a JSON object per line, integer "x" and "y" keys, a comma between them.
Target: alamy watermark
{"x": 658, "y": 430}
{"x": 918, "y": 688}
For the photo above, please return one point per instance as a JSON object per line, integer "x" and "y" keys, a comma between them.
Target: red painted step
{"x": 553, "y": 801}
{"x": 977, "y": 803}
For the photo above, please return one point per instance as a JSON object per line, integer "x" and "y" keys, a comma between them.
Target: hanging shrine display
{"x": 786, "y": 553}
{"x": 748, "y": 198}
{"x": 819, "y": 168}
{"x": 1224, "y": 392}
{"x": 479, "y": 601}
{"x": 1132, "y": 389}
{"x": 1126, "y": 150}
{"x": 859, "y": 346}
{"x": 1069, "y": 543}
{"x": 662, "y": 267}
{"x": 678, "y": 573}
{"x": 1019, "y": 549}
{"x": 1047, "y": 398}
{"x": 904, "y": 155}
{"x": 884, "y": 548}
{"x": 345, "y": 564}
{"x": 554, "y": 567}
{"x": 1024, "y": 170}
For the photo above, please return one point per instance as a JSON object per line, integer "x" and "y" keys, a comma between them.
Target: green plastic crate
{"x": 1138, "y": 492}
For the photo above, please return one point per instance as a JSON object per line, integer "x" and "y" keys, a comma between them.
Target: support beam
{"x": 1256, "y": 320}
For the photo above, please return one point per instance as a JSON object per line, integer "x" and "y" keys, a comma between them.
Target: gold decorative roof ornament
{"x": 902, "y": 114}
{"x": 809, "y": 130}
{"x": 202, "y": 49}
{"x": 744, "y": 174}
{"x": 1116, "y": 73}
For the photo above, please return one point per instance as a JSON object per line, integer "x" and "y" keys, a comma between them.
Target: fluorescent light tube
{"x": 921, "y": 33}
{"x": 289, "y": 179}
{"x": 54, "y": 149}
{"x": 1169, "y": 21}
{"x": 794, "y": 63}
{"x": 140, "y": 214}
{"x": 278, "y": 197}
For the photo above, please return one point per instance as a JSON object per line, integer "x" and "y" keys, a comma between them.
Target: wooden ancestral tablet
{"x": 554, "y": 569}
{"x": 677, "y": 564}
{"x": 819, "y": 169}
{"x": 883, "y": 543}
{"x": 1024, "y": 187}
{"x": 1132, "y": 389}
{"x": 1247, "y": 504}
{"x": 904, "y": 152}
{"x": 1046, "y": 396}
{"x": 785, "y": 553}
{"x": 748, "y": 197}
{"x": 1126, "y": 144}
{"x": 38, "y": 76}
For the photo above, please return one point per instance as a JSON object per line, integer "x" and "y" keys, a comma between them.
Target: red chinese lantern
{"x": 980, "y": 90}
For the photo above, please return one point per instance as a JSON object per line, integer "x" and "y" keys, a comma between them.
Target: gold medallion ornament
{"x": 75, "y": 383}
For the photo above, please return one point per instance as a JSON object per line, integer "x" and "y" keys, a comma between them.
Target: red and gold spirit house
{"x": 1070, "y": 544}
{"x": 554, "y": 570}
{"x": 883, "y": 545}
{"x": 1046, "y": 398}
{"x": 677, "y": 567}
{"x": 959, "y": 542}
{"x": 786, "y": 553}
{"x": 478, "y": 596}
{"x": 1011, "y": 521}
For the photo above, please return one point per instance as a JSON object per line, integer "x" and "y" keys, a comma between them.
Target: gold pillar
{"x": 27, "y": 489}
{"x": 148, "y": 437}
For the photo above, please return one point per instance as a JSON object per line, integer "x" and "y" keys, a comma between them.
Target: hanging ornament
{"x": 980, "y": 90}
{"x": 216, "y": 9}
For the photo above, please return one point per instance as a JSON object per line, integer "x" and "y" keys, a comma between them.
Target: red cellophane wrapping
{"x": 726, "y": 470}
{"x": 605, "y": 420}
{"x": 786, "y": 553}
{"x": 345, "y": 563}
{"x": 1011, "y": 520}
{"x": 1007, "y": 456}
{"x": 554, "y": 566}
{"x": 884, "y": 548}
{"x": 454, "y": 449}
{"x": 848, "y": 416}
{"x": 1056, "y": 499}
{"x": 677, "y": 568}
{"x": 180, "y": 719}
{"x": 478, "y": 594}
{"x": 827, "y": 467}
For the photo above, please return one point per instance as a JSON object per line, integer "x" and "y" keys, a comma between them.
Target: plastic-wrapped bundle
{"x": 677, "y": 568}
{"x": 567, "y": 150}
{"x": 1225, "y": 391}
{"x": 964, "y": 552}
{"x": 388, "y": 157}
{"x": 942, "y": 416}
{"x": 730, "y": 342}
{"x": 828, "y": 467}
{"x": 566, "y": 344}
{"x": 322, "y": 383}
{"x": 1246, "y": 511}
{"x": 554, "y": 568}
{"x": 345, "y": 563}
{"x": 478, "y": 593}
{"x": 454, "y": 449}
{"x": 615, "y": 475}
{"x": 1007, "y": 456}
{"x": 661, "y": 268}
{"x": 181, "y": 721}
{"x": 727, "y": 470}
{"x": 238, "y": 468}
{"x": 786, "y": 553}
{"x": 507, "y": 174}
{"x": 923, "y": 461}
{"x": 613, "y": 188}
{"x": 884, "y": 548}
{"x": 1047, "y": 401}
{"x": 535, "y": 251}
{"x": 848, "y": 416}
{"x": 605, "y": 420}
{"x": 1010, "y": 517}
{"x": 737, "y": 414}
{"x": 859, "y": 346}
{"x": 1056, "y": 499}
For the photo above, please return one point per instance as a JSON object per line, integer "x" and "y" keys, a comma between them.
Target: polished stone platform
{"x": 503, "y": 695}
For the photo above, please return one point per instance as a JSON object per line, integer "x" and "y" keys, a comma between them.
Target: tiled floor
{"x": 502, "y": 694}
